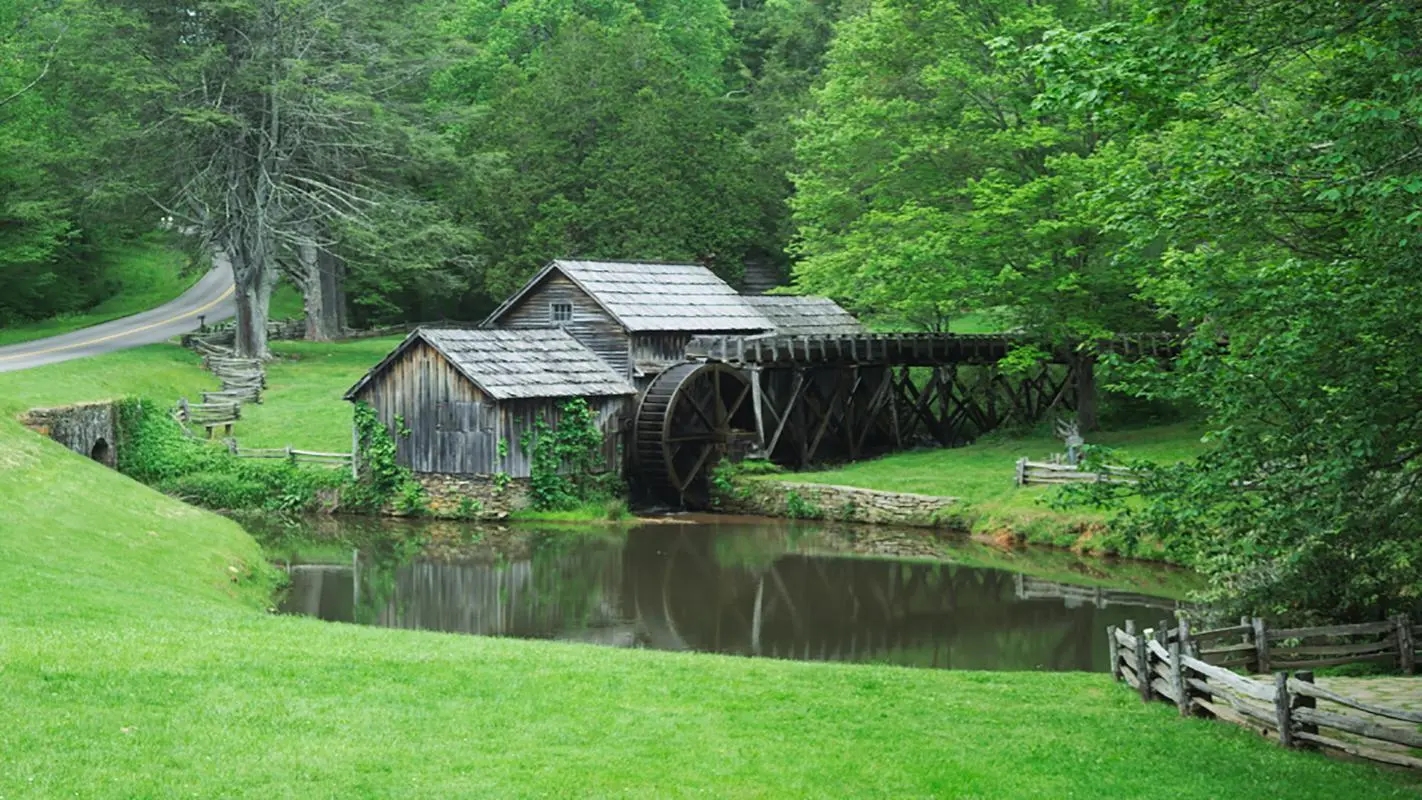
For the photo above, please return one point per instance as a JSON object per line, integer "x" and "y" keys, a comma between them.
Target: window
{"x": 561, "y": 312}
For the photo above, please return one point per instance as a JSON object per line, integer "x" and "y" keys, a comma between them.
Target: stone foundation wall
{"x": 89, "y": 429}
{"x": 841, "y": 503}
{"x": 486, "y": 499}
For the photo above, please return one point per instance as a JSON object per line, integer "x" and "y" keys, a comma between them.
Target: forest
{"x": 1246, "y": 174}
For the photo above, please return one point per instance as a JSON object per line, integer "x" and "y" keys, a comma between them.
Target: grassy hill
{"x": 136, "y": 660}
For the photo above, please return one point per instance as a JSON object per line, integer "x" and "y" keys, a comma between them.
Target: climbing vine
{"x": 380, "y": 478}
{"x": 565, "y": 463}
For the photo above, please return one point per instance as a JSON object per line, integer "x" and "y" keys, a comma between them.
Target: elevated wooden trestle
{"x": 801, "y": 400}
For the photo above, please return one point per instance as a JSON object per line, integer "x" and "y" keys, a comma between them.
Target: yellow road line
{"x": 121, "y": 334}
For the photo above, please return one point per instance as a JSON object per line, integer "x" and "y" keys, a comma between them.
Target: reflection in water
{"x": 730, "y": 589}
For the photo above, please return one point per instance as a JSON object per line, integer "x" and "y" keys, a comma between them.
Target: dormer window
{"x": 560, "y": 312}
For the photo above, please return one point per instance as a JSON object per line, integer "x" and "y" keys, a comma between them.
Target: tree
{"x": 270, "y": 115}
{"x": 605, "y": 133}
{"x": 935, "y": 180}
{"x": 1276, "y": 191}
{"x": 61, "y": 79}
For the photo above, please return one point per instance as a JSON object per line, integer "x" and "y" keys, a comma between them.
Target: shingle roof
{"x": 511, "y": 364}
{"x": 805, "y": 315}
{"x": 656, "y": 297}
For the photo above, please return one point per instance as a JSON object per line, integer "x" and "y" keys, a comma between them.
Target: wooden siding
{"x": 456, "y": 429}
{"x": 659, "y": 348}
{"x": 591, "y": 325}
{"x": 519, "y": 417}
{"x": 453, "y": 425}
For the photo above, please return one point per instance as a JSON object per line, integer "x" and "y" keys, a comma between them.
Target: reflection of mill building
{"x": 738, "y": 592}
{"x": 603, "y": 331}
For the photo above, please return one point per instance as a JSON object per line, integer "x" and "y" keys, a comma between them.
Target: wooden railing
{"x": 1254, "y": 646}
{"x": 293, "y": 455}
{"x": 1192, "y": 671}
{"x": 1042, "y": 472}
{"x": 209, "y": 415}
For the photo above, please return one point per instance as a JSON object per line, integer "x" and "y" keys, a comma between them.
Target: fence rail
{"x": 209, "y": 415}
{"x": 1047, "y": 473}
{"x": 292, "y": 454}
{"x": 1191, "y": 670}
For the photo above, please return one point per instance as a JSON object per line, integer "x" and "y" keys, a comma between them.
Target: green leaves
{"x": 942, "y": 176}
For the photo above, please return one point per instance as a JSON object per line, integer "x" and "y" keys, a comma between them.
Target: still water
{"x": 746, "y": 587}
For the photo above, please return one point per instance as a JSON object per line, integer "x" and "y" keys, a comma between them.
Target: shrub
{"x": 156, "y": 451}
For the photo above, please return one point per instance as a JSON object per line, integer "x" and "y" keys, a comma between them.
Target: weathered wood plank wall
{"x": 456, "y": 429}
{"x": 451, "y": 423}
{"x": 591, "y": 325}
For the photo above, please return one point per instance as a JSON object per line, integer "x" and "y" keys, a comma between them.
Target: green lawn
{"x": 136, "y": 661}
{"x": 148, "y": 274}
{"x": 981, "y": 475}
{"x": 302, "y": 405}
{"x": 159, "y": 371}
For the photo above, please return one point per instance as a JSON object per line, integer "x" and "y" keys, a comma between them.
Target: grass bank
{"x": 981, "y": 476}
{"x": 133, "y": 642}
{"x": 145, "y": 275}
{"x": 302, "y": 406}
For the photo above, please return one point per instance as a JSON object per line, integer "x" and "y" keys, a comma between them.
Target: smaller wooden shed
{"x": 468, "y": 396}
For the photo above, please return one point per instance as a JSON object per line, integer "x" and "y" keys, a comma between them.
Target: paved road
{"x": 210, "y": 297}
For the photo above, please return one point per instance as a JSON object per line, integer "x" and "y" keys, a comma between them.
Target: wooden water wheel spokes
{"x": 691, "y": 416}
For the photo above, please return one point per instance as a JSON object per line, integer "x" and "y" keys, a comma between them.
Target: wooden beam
{"x": 796, "y": 389}
{"x": 758, "y": 401}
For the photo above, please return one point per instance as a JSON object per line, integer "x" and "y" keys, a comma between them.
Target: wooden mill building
{"x": 460, "y": 393}
{"x": 638, "y": 317}
{"x": 606, "y": 331}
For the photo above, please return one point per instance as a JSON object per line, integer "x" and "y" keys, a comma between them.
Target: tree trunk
{"x": 1084, "y": 366}
{"x": 333, "y": 291}
{"x": 312, "y": 291}
{"x": 254, "y": 277}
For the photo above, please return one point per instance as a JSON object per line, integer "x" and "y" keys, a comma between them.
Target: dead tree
{"x": 269, "y": 117}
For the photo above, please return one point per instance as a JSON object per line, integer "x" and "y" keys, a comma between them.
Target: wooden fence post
{"x": 1261, "y": 645}
{"x": 1143, "y": 671}
{"x": 1021, "y": 472}
{"x": 1186, "y": 646}
{"x": 1301, "y": 700}
{"x": 1406, "y": 657}
{"x": 1113, "y": 659}
{"x": 1283, "y": 709}
{"x": 1177, "y": 680}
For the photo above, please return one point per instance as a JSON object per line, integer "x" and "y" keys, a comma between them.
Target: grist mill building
{"x": 683, "y": 371}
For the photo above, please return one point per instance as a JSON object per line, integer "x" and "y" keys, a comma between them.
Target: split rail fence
{"x": 293, "y": 455}
{"x": 1046, "y": 473}
{"x": 1193, "y": 671}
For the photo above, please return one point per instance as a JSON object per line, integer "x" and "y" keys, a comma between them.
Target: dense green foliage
{"x": 1272, "y": 186}
{"x": 61, "y": 113}
{"x": 566, "y": 465}
{"x": 155, "y": 450}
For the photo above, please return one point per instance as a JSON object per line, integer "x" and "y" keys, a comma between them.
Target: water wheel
{"x": 691, "y": 416}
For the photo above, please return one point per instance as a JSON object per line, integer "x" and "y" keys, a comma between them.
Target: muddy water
{"x": 746, "y": 587}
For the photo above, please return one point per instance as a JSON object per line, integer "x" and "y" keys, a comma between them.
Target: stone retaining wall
{"x": 447, "y": 495}
{"x": 842, "y": 503}
{"x": 90, "y": 429}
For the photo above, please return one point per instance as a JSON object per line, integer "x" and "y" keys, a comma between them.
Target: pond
{"x": 738, "y": 586}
